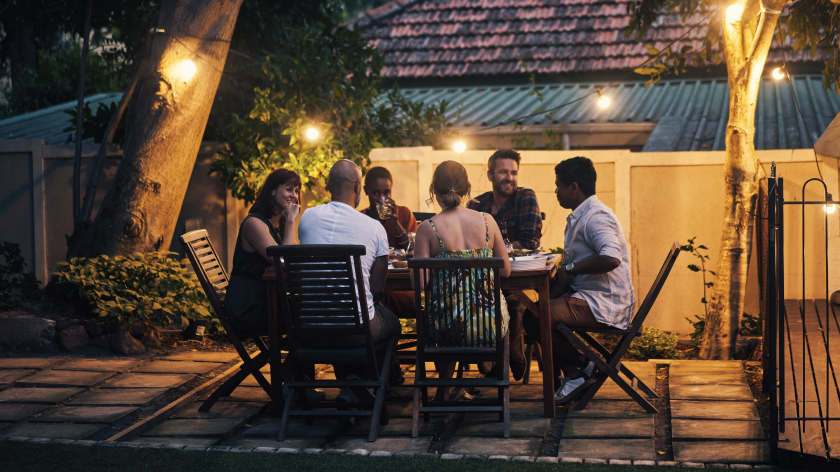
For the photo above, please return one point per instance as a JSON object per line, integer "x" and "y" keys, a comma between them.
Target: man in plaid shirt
{"x": 518, "y": 208}
{"x": 510, "y": 204}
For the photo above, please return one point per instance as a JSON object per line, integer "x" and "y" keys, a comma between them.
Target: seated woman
{"x": 270, "y": 222}
{"x": 459, "y": 232}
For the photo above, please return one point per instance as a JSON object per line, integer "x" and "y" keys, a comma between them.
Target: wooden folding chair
{"x": 214, "y": 280}
{"x": 317, "y": 295}
{"x": 608, "y": 363}
{"x": 441, "y": 339}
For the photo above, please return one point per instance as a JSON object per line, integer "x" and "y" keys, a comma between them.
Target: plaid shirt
{"x": 521, "y": 213}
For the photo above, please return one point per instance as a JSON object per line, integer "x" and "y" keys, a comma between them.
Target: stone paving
{"x": 712, "y": 416}
{"x": 75, "y": 398}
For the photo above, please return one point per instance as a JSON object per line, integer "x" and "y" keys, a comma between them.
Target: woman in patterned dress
{"x": 459, "y": 232}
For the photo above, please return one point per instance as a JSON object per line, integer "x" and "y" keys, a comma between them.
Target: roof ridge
{"x": 373, "y": 16}
{"x": 55, "y": 108}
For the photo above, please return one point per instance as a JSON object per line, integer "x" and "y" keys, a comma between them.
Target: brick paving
{"x": 713, "y": 416}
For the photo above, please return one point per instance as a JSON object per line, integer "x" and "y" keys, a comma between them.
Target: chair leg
{"x": 284, "y": 420}
{"x": 225, "y": 389}
{"x": 506, "y": 412}
{"x": 539, "y": 356}
{"x": 415, "y": 414}
{"x": 460, "y": 371}
{"x": 527, "y": 376}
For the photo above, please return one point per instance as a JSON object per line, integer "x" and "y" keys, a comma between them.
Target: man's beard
{"x": 497, "y": 187}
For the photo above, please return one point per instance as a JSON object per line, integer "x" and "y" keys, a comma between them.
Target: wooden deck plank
{"x": 811, "y": 431}
{"x": 828, "y": 366}
{"x": 790, "y": 439}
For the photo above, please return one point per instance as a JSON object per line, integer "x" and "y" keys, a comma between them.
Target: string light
{"x": 779, "y": 73}
{"x": 184, "y": 70}
{"x": 459, "y": 146}
{"x": 735, "y": 12}
{"x": 829, "y": 207}
{"x": 603, "y": 100}
{"x": 312, "y": 133}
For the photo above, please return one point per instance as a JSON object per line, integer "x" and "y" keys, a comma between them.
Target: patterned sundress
{"x": 454, "y": 302}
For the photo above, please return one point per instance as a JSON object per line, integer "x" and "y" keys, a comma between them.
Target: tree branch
{"x": 93, "y": 182}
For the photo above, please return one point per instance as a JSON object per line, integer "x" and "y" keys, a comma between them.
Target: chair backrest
{"x": 460, "y": 295}
{"x": 318, "y": 292}
{"x": 209, "y": 270}
{"x": 647, "y": 304}
{"x": 421, "y": 216}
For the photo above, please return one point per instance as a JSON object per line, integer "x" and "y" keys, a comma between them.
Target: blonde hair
{"x": 450, "y": 183}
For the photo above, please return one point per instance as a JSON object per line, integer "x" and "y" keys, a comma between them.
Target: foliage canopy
{"x": 324, "y": 76}
{"x": 811, "y": 25}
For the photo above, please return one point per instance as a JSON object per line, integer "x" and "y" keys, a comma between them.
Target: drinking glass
{"x": 383, "y": 209}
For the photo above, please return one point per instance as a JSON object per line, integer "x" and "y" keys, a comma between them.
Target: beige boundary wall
{"x": 36, "y": 201}
{"x": 659, "y": 198}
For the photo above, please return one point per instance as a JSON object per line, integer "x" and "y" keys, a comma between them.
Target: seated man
{"x": 339, "y": 223}
{"x": 400, "y": 222}
{"x": 516, "y": 209}
{"x": 592, "y": 289}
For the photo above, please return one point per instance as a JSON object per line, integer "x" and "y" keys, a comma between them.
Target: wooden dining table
{"x": 400, "y": 280}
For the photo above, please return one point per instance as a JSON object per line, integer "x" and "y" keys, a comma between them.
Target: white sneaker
{"x": 587, "y": 371}
{"x": 569, "y": 386}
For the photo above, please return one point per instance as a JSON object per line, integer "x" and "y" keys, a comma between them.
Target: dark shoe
{"x": 518, "y": 371}
{"x": 362, "y": 394}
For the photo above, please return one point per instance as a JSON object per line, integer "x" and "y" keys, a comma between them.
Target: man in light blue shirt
{"x": 592, "y": 289}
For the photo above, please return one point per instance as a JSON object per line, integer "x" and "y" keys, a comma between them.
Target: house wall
{"x": 659, "y": 198}
{"x": 36, "y": 201}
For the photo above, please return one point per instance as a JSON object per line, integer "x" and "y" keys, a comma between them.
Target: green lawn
{"x": 21, "y": 457}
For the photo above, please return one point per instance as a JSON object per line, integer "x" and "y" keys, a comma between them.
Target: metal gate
{"x": 802, "y": 341}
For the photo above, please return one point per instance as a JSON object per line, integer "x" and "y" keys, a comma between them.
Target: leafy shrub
{"x": 653, "y": 343}
{"x": 15, "y": 283}
{"x": 699, "y": 326}
{"x": 140, "y": 287}
{"x": 750, "y": 325}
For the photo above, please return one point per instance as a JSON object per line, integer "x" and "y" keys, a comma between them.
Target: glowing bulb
{"x": 778, "y": 73}
{"x": 184, "y": 70}
{"x": 603, "y": 100}
{"x": 831, "y": 208}
{"x": 459, "y": 146}
{"x": 312, "y": 133}
{"x": 734, "y": 12}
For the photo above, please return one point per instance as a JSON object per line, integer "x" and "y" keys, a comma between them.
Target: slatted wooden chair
{"x": 608, "y": 363}
{"x": 317, "y": 297}
{"x": 439, "y": 339}
{"x": 214, "y": 280}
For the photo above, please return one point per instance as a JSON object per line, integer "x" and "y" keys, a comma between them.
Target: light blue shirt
{"x": 339, "y": 223}
{"x": 592, "y": 229}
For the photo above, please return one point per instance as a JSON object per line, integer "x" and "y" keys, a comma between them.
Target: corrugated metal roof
{"x": 703, "y": 103}
{"x": 49, "y": 123}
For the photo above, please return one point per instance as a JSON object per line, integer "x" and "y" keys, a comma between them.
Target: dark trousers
{"x": 383, "y": 325}
{"x": 571, "y": 312}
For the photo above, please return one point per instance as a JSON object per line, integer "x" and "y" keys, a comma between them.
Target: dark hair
{"x": 578, "y": 169}
{"x": 503, "y": 154}
{"x": 451, "y": 183}
{"x": 377, "y": 172}
{"x": 264, "y": 203}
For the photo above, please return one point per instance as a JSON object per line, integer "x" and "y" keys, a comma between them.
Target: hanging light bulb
{"x": 829, "y": 207}
{"x": 603, "y": 100}
{"x": 459, "y": 146}
{"x": 735, "y": 12}
{"x": 184, "y": 70}
{"x": 779, "y": 73}
{"x": 312, "y": 133}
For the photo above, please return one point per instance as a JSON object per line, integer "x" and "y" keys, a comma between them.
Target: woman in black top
{"x": 270, "y": 222}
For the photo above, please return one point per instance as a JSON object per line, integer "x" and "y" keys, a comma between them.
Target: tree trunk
{"x": 165, "y": 125}
{"x": 746, "y": 44}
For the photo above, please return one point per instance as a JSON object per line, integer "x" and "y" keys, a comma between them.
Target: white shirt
{"x": 592, "y": 229}
{"x": 339, "y": 223}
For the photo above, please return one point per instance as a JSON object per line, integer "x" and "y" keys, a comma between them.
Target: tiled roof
{"x": 454, "y": 38}
{"x": 700, "y": 105}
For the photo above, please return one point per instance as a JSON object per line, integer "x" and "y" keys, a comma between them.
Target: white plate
{"x": 528, "y": 263}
